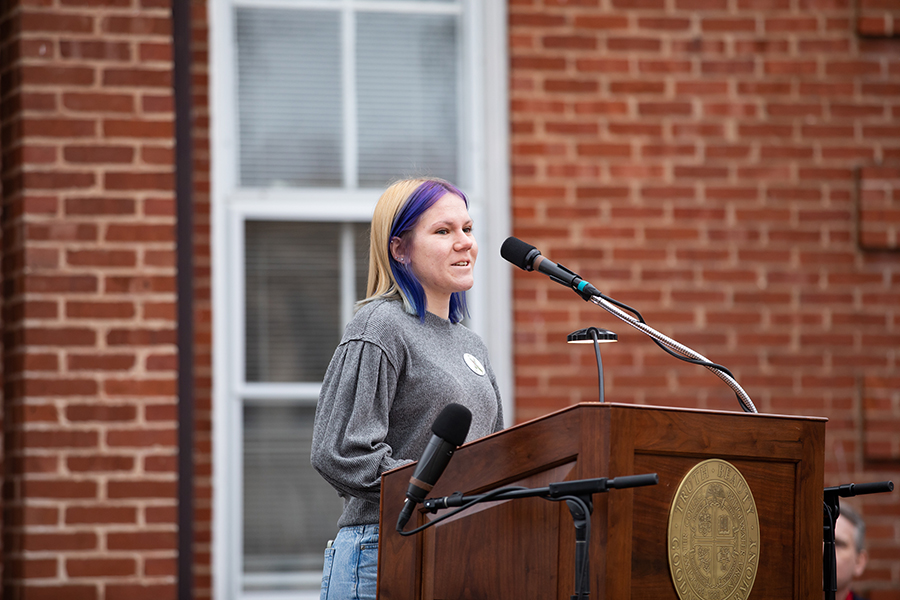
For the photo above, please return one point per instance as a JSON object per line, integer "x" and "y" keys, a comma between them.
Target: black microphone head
{"x": 453, "y": 423}
{"x": 519, "y": 253}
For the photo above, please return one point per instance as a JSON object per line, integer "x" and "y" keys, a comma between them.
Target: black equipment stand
{"x": 578, "y": 497}
{"x": 832, "y": 511}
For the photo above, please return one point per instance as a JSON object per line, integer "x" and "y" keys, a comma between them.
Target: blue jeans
{"x": 351, "y": 564}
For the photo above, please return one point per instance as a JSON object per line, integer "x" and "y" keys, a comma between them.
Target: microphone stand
{"x": 832, "y": 511}
{"x": 604, "y": 303}
{"x": 578, "y": 497}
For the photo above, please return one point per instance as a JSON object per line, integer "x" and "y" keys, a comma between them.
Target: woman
{"x": 403, "y": 358}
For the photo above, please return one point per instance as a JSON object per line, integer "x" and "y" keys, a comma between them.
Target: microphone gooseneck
{"x": 527, "y": 257}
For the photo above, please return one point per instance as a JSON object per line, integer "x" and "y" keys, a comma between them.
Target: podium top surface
{"x": 626, "y": 406}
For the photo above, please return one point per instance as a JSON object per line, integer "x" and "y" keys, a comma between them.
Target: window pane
{"x": 292, "y": 299}
{"x": 361, "y": 258}
{"x": 407, "y": 96}
{"x": 293, "y": 296}
{"x": 290, "y": 512}
{"x": 289, "y": 97}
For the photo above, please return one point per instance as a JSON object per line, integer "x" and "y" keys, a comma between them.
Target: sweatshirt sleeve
{"x": 352, "y": 417}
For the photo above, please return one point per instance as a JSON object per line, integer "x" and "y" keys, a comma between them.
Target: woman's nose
{"x": 464, "y": 241}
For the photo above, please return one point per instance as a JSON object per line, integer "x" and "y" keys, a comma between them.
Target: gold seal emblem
{"x": 713, "y": 534}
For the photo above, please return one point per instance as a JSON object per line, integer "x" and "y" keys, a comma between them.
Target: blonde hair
{"x": 381, "y": 280}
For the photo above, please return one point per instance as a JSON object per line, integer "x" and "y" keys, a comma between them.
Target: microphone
{"x": 527, "y": 257}
{"x": 450, "y": 430}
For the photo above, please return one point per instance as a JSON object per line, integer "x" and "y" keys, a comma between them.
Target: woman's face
{"x": 440, "y": 251}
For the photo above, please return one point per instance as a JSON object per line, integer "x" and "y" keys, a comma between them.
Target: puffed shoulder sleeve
{"x": 351, "y": 423}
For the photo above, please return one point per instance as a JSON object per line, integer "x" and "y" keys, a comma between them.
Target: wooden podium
{"x": 525, "y": 548}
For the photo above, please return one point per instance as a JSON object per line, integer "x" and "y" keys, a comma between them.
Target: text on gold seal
{"x": 713, "y": 534}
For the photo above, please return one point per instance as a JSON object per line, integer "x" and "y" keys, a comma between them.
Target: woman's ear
{"x": 398, "y": 250}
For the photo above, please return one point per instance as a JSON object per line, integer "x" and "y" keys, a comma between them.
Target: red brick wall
{"x": 88, "y": 300}
{"x": 729, "y": 168}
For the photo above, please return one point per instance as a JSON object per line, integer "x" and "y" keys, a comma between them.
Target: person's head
{"x": 421, "y": 247}
{"x": 849, "y": 547}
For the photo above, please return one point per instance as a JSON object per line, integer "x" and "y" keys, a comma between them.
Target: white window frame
{"x": 485, "y": 168}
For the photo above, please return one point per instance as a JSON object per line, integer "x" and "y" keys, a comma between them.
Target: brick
{"x": 601, "y": 108}
{"x": 60, "y": 439}
{"x": 142, "y": 438}
{"x": 736, "y": 66}
{"x": 141, "y": 489}
{"x": 101, "y": 514}
{"x": 834, "y": 46}
{"x": 98, "y": 154}
{"x": 665, "y": 108}
{"x": 571, "y": 86}
{"x": 46, "y": 76}
{"x": 37, "y": 542}
{"x": 59, "y": 128}
{"x": 100, "y": 206}
{"x": 538, "y": 63}
{"x": 133, "y": 591}
{"x": 100, "y": 567}
{"x": 107, "y": 413}
{"x": 141, "y": 540}
{"x": 38, "y": 180}
{"x": 139, "y": 387}
{"x": 536, "y": 19}
{"x": 663, "y": 23}
{"x": 101, "y": 258}
{"x": 100, "y": 310}
{"x": 633, "y": 44}
{"x": 637, "y": 87}
{"x": 133, "y": 77}
{"x": 100, "y": 362}
{"x": 701, "y": 88}
{"x": 33, "y": 386}
{"x": 605, "y": 150}
{"x": 792, "y": 25}
{"x": 59, "y": 488}
{"x": 139, "y": 285}
{"x": 570, "y": 42}
{"x": 140, "y": 232}
{"x": 92, "y": 49}
{"x": 137, "y": 25}
{"x": 100, "y": 464}
{"x": 732, "y": 25}
{"x": 67, "y": 591}
{"x": 669, "y": 150}
{"x": 855, "y": 68}
{"x": 791, "y": 67}
{"x": 60, "y": 336}
{"x": 137, "y": 128}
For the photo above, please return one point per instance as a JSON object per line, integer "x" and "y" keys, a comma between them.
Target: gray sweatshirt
{"x": 389, "y": 379}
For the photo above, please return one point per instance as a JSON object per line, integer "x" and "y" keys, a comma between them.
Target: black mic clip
{"x": 578, "y": 285}
{"x": 433, "y": 505}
